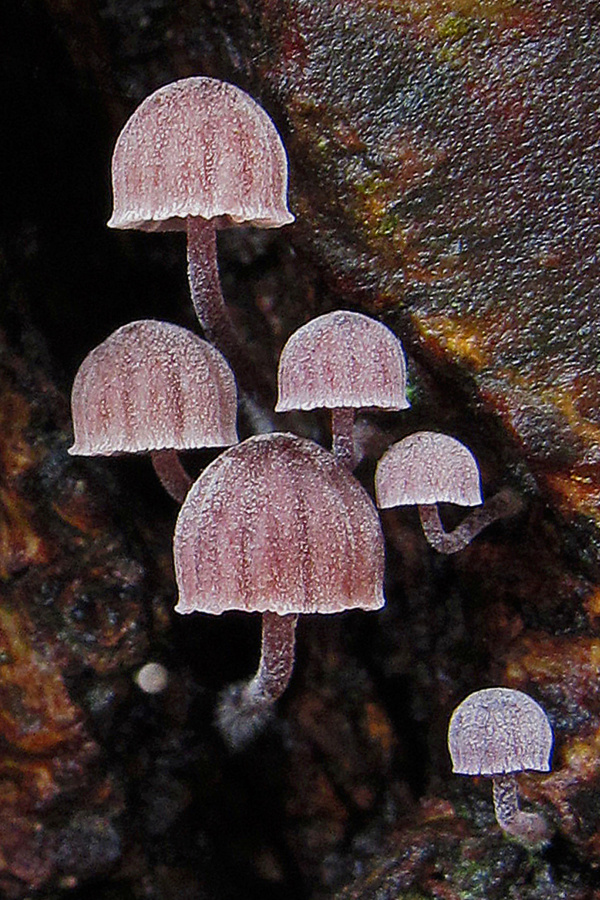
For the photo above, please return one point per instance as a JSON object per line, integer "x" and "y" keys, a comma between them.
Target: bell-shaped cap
{"x": 153, "y": 386}
{"x": 203, "y": 148}
{"x": 342, "y": 359}
{"x": 497, "y": 731}
{"x": 426, "y": 468}
{"x": 275, "y": 524}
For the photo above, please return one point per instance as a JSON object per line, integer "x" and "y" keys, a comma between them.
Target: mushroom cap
{"x": 275, "y": 524}
{"x": 426, "y": 468}
{"x": 342, "y": 359}
{"x": 152, "y": 678}
{"x": 497, "y": 731}
{"x": 152, "y": 386}
{"x": 199, "y": 147}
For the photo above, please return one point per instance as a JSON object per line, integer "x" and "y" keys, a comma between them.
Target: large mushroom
{"x": 154, "y": 387}
{"x": 276, "y": 526}
{"x": 500, "y": 732}
{"x": 342, "y": 361}
{"x": 198, "y": 155}
{"x": 427, "y": 468}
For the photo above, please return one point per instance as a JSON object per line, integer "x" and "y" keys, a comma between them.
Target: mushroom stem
{"x": 210, "y": 308}
{"x": 529, "y": 827}
{"x": 504, "y": 503}
{"x": 342, "y": 429}
{"x": 244, "y": 709}
{"x": 276, "y": 659}
{"x": 205, "y": 283}
{"x": 171, "y": 473}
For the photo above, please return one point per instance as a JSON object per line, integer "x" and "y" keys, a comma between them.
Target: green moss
{"x": 387, "y": 225}
{"x": 369, "y": 186}
{"x": 412, "y": 394}
{"x": 453, "y": 27}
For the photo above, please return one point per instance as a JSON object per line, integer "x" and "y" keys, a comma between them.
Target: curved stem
{"x": 276, "y": 659}
{"x": 205, "y": 283}
{"x": 342, "y": 429}
{"x": 244, "y": 709}
{"x": 211, "y": 310}
{"x": 171, "y": 473}
{"x": 504, "y": 503}
{"x": 529, "y": 827}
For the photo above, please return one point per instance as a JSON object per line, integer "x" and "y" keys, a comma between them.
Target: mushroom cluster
{"x": 196, "y": 156}
{"x": 276, "y": 524}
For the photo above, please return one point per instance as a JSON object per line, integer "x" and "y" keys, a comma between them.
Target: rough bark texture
{"x": 444, "y": 174}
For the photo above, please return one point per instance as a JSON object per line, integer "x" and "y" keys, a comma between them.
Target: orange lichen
{"x": 592, "y": 605}
{"x": 581, "y": 756}
{"x": 472, "y": 342}
{"x": 36, "y": 712}
{"x": 571, "y": 663}
{"x": 21, "y": 543}
{"x": 568, "y": 401}
{"x": 459, "y": 336}
{"x": 574, "y": 492}
{"x": 380, "y": 730}
{"x": 16, "y": 453}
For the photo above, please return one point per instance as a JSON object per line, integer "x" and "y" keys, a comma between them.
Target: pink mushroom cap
{"x": 342, "y": 359}
{"x": 275, "y": 524}
{"x": 497, "y": 731}
{"x": 199, "y": 147}
{"x": 152, "y": 386}
{"x": 426, "y": 468}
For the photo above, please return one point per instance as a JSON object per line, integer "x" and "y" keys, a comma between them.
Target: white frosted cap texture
{"x": 203, "y": 148}
{"x": 276, "y": 524}
{"x": 152, "y": 386}
{"x": 497, "y": 731}
{"x": 342, "y": 359}
{"x": 426, "y": 468}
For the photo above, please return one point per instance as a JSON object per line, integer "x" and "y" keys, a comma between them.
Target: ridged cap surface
{"x": 342, "y": 359}
{"x": 276, "y": 524}
{"x": 426, "y": 468}
{"x": 152, "y": 386}
{"x": 199, "y": 147}
{"x": 497, "y": 731}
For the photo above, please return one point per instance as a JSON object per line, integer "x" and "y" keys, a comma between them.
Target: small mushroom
{"x": 342, "y": 361}
{"x": 197, "y": 155}
{"x": 153, "y": 387}
{"x": 500, "y": 732}
{"x": 152, "y": 678}
{"x": 275, "y": 526}
{"x": 427, "y": 468}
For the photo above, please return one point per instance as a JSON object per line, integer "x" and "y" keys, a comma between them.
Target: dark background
{"x": 444, "y": 176}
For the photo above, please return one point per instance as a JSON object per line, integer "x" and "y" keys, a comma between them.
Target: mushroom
{"x": 342, "y": 361}
{"x": 153, "y": 387}
{"x": 197, "y": 155}
{"x": 427, "y": 468}
{"x": 499, "y": 732}
{"x": 276, "y": 526}
{"x": 152, "y": 678}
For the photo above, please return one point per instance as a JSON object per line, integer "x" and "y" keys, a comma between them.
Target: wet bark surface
{"x": 444, "y": 176}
